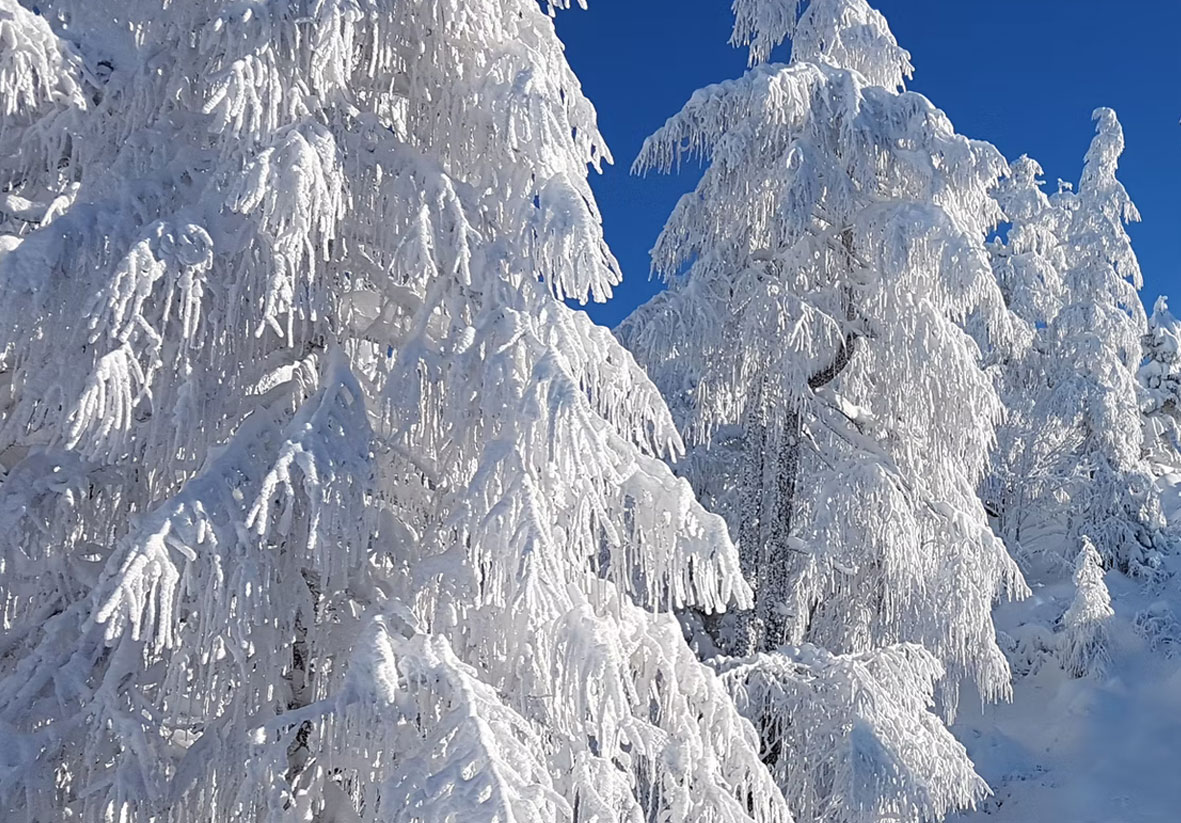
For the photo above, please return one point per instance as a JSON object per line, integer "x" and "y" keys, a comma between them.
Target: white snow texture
{"x": 318, "y": 502}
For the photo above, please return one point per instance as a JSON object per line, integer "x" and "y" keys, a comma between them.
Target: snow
{"x": 1088, "y": 750}
{"x": 292, "y": 366}
{"x": 318, "y": 503}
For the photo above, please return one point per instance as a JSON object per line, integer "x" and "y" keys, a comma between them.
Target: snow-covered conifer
{"x": 812, "y": 347}
{"x": 1027, "y": 461}
{"x": 1030, "y": 260}
{"x": 1160, "y": 376}
{"x": 1070, "y": 458}
{"x": 858, "y": 735}
{"x": 319, "y": 503}
{"x": 1162, "y": 353}
{"x": 1093, "y": 348}
{"x": 808, "y": 349}
{"x": 1084, "y": 625}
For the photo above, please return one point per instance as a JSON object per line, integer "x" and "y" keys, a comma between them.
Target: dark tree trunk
{"x": 775, "y": 565}
{"x": 772, "y": 573}
{"x": 765, "y": 531}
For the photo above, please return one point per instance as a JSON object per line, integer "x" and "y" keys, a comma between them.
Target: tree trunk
{"x": 774, "y": 568}
{"x": 772, "y": 574}
{"x": 768, "y": 503}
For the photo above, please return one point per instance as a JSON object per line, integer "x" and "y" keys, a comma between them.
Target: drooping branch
{"x": 839, "y": 363}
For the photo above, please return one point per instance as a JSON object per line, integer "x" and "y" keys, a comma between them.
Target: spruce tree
{"x": 1160, "y": 377}
{"x": 1084, "y": 624}
{"x": 318, "y": 502}
{"x": 1071, "y": 460}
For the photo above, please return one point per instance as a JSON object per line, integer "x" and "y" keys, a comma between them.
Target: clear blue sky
{"x": 1022, "y": 74}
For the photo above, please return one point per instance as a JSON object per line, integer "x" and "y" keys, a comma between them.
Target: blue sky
{"x": 1022, "y": 74}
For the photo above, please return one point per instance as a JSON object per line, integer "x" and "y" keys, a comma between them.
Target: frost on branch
{"x": 1070, "y": 459}
{"x": 412, "y": 734}
{"x": 844, "y": 33}
{"x": 814, "y": 347}
{"x": 807, "y": 379}
{"x": 42, "y": 99}
{"x": 291, "y": 357}
{"x": 855, "y": 738}
{"x": 478, "y": 753}
{"x": 166, "y": 648}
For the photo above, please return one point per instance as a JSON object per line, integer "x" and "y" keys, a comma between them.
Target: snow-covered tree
{"x": 809, "y": 349}
{"x": 1029, "y": 262}
{"x": 317, "y": 502}
{"x": 859, "y": 737}
{"x": 1093, "y": 351}
{"x": 811, "y": 344}
{"x": 1160, "y": 377}
{"x": 1084, "y": 625}
{"x": 1070, "y": 461}
{"x": 1024, "y": 488}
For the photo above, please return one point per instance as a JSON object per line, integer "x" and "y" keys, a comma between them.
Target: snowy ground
{"x": 1100, "y": 750}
